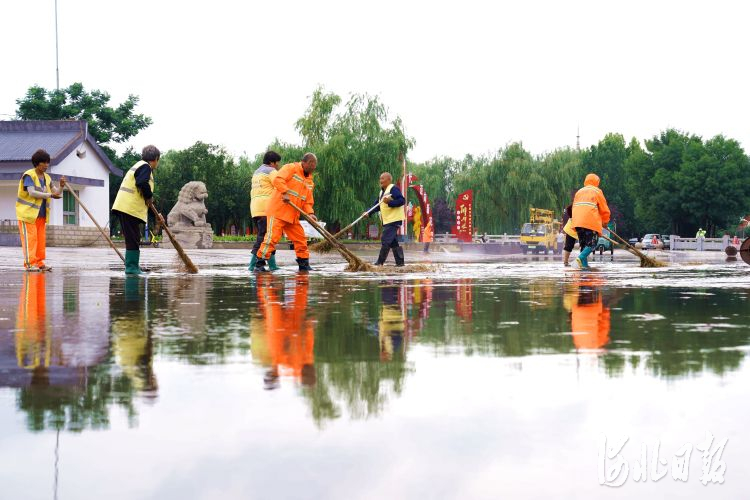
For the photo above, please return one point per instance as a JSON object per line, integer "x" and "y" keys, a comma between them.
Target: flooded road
{"x": 478, "y": 380}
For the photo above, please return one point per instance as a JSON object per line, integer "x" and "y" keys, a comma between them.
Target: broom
{"x": 355, "y": 263}
{"x": 646, "y": 261}
{"x": 325, "y": 247}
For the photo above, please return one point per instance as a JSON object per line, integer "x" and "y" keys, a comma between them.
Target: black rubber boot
{"x": 398, "y": 253}
{"x": 304, "y": 265}
{"x": 383, "y": 255}
{"x": 260, "y": 266}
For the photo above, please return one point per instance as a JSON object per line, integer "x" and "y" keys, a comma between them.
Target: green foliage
{"x": 354, "y": 146}
{"x": 107, "y": 124}
{"x": 680, "y": 183}
{"x": 227, "y": 182}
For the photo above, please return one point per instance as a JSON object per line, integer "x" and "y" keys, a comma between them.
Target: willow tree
{"x": 354, "y": 144}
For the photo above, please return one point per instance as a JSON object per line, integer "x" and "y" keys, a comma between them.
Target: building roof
{"x": 20, "y": 139}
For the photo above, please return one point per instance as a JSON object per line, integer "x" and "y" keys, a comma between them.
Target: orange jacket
{"x": 427, "y": 234}
{"x": 590, "y": 208}
{"x": 291, "y": 180}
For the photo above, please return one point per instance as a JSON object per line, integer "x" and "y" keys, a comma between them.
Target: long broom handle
{"x": 628, "y": 247}
{"x": 328, "y": 236}
{"x": 104, "y": 233}
{"x": 188, "y": 263}
{"x": 343, "y": 231}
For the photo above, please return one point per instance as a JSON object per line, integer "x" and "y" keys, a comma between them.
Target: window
{"x": 70, "y": 209}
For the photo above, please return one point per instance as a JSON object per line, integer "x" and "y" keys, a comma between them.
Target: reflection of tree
{"x": 352, "y": 371}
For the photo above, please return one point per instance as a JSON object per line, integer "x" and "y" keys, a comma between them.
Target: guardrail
{"x": 700, "y": 244}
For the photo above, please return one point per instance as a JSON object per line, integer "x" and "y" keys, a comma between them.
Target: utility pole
{"x": 57, "y": 57}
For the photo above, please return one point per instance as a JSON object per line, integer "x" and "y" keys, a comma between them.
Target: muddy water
{"x": 475, "y": 381}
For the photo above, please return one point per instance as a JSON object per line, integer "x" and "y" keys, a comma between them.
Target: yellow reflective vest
{"x": 27, "y": 208}
{"x": 129, "y": 198}
{"x": 390, "y": 214}
{"x": 261, "y": 190}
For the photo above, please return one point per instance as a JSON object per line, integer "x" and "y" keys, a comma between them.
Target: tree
{"x": 607, "y": 160}
{"x": 353, "y": 145}
{"x": 106, "y": 124}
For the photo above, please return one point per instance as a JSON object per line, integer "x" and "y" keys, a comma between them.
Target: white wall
{"x": 8, "y": 192}
{"x": 95, "y": 198}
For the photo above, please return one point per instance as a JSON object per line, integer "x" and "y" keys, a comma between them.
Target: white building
{"x": 73, "y": 154}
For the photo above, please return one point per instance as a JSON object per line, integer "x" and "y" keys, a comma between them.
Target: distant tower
{"x": 578, "y": 137}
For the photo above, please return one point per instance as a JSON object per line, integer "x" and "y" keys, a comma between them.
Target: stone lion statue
{"x": 190, "y": 210}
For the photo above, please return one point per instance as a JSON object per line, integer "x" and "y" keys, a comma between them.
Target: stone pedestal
{"x": 194, "y": 237}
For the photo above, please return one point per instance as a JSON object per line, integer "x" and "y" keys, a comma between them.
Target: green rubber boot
{"x": 253, "y": 260}
{"x": 132, "y": 257}
{"x": 272, "y": 263}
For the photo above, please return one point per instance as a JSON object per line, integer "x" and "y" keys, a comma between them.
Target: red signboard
{"x": 464, "y": 228}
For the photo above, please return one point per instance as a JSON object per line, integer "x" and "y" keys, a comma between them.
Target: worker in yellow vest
{"x": 390, "y": 206}
{"x": 33, "y": 210}
{"x": 131, "y": 204}
{"x": 260, "y": 194}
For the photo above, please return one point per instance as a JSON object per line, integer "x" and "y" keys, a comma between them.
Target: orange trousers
{"x": 33, "y": 242}
{"x": 294, "y": 233}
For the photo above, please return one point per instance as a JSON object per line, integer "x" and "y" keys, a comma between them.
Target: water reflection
{"x": 61, "y": 354}
{"x": 74, "y": 348}
{"x": 286, "y": 339}
{"x": 589, "y": 316}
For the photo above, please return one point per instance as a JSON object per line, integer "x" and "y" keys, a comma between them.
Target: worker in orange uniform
{"x": 590, "y": 215}
{"x": 293, "y": 186}
{"x": 33, "y": 210}
{"x": 427, "y": 235}
{"x": 290, "y": 336}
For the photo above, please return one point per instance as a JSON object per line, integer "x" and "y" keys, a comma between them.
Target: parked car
{"x": 648, "y": 241}
{"x": 633, "y": 241}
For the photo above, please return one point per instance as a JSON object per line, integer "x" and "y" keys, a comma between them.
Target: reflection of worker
{"x": 590, "y": 214}
{"x": 33, "y": 345}
{"x": 132, "y": 342}
{"x": 293, "y": 186}
{"x": 32, "y": 210}
{"x": 391, "y": 324}
{"x": 290, "y": 336}
{"x": 390, "y": 203}
{"x": 589, "y": 316}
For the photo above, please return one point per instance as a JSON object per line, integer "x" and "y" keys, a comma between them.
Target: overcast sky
{"x": 465, "y": 76}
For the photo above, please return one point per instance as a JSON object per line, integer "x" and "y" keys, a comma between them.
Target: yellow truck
{"x": 539, "y": 235}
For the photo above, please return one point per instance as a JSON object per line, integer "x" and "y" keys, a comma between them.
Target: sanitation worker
{"x": 570, "y": 234}
{"x": 260, "y": 194}
{"x": 427, "y": 236}
{"x": 131, "y": 204}
{"x": 590, "y": 214}
{"x": 33, "y": 210}
{"x": 293, "y": 186}
{"x": 390, "y": 202}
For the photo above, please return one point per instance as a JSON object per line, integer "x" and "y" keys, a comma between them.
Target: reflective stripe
{"x": 262, "y": 196}
{"x": 267, "y": 239}
{"x": 24, "y": 202}
{"x": 584, "y": 203}
{"x": 297, "y": 177}
{"x": 127, "y": 190}
{"x": 295, "y": 193}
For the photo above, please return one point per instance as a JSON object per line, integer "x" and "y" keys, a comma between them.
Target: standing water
{"x": 506, "y": 379}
